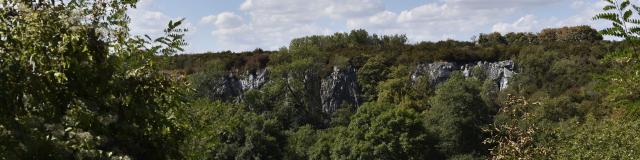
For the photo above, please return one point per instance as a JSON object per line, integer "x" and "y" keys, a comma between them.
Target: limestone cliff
{"x": 438, "y": 72}
{"x": 341, "y": 87}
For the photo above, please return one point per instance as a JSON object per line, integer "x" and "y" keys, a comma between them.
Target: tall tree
{"x": 229, "y": 131}
{"x": 457, "y": 114}
{"x": 374, "y": 71}
{"x": 76, "y": 85}
{"x": 384, "y": 131}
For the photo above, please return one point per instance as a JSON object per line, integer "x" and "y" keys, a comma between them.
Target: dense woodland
{"x": 75, "y": 85}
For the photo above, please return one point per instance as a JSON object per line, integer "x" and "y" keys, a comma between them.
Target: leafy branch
{"x": 624, "y": 24}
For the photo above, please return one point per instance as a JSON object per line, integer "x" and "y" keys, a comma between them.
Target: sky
{"x": 244, "y": 25}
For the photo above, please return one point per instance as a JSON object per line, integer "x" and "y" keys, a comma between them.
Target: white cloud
{"x": 524, "y": 24}
{"x": 384, "y": 19}
{"x": 353, "y": 8}
{"x": 428, "y": 13}
{"x": 148, "y": 22}
{"x": 584, "y": 11}
{"x": 271, "y": 24}
{"x": 144, "y": 3}
{"x": 431, "y": 21}
{"x": 224, "y": 20}
{"x": 145, "y": 19}
{"x": 502, "y": 4}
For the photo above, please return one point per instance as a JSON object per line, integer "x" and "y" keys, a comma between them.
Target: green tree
{"x": 384, "y": 131}
{"x": 521, "y": 131}
{"x": 570, "y": 34}
{"x": 491, "y": 39}
{"x": 208, "y": 82}
{"x": 521, "y": 38}
{"x": 372, "y": 72}
{"x": 299, "y": 142}
{"x": 457, "y": 114}
{"x": 597, "y": 139}
{"x": 401, "y": 90}
{"x": 515, "y": 129}
{"x": 76, "y": 85}
{"x": 359, "y": 37}
{"x": 397, "y": 89}
{"x": 228, "y": 131}
{"x": 295, "y": 83}
{"x": 620, "y": 86}
{"x": 309, "y": 143}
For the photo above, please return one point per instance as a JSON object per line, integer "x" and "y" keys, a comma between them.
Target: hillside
{"x": 77, "y": 83}
{"x": 325, "y": 90}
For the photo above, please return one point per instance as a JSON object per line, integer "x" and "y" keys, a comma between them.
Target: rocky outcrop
{"x": 231, "y": 86}
{"x": 339, "y": 88}
{"x": 254, "y": 79}
{"x": 226, "y": 88}
{"x": 438, "y": 72}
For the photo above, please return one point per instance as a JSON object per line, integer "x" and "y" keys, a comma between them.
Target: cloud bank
{"x": 271, "y": 24}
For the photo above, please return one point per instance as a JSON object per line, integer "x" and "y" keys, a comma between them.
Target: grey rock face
{"x": 254, "y": 80}
{"x": 332, "y": 91}
{"x": 339, "y": 88}
{"x": 226, "y": 88}
{"x": 336, "y": 89}
{"x": 231, "y": 87}
{"x": 438, "y": 72}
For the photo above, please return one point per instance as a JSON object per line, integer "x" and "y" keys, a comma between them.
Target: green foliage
{"x": 621, "y": 15}
{"x": 206, "y": 81}
{"x": 515, "y": 131}
{"x": 420, "y": 93}
{"x": 620, "y": 82}
{"x": 76, "y": 85}
{"x": 298, "y": 83}
{"x": 402, "y": 90}
{"x": 327, "y": 144}
{"x": 457, "y": 115}
{"x": 520, "y": 133}
{"x": 491, "y": 39}
{"x": 570, "y": 34}
{"x": 299, "y": 142}
{"x": 521, "y": 38}
{"x": 228, "y": 131}
{"x": 383, "y": 131}
{"x": 343, "y": 115}
{"x": 556, "y": 71}
{"x": 621, "y": 79}
{"x": 195, "y": 63}
{"x": 555, "y": 68}
{"x": 397, "y": 89}
{"x": 564, "y": 113}
{"x": 355, "y": 39}
{"x": 575, "y": 34}
{"x": 372, "y": 73}
{"x": 376, "y": 131}
{"x": 597, "y": 139}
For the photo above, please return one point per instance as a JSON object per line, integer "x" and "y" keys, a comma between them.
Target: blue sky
{"x": 240, "y": 25}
